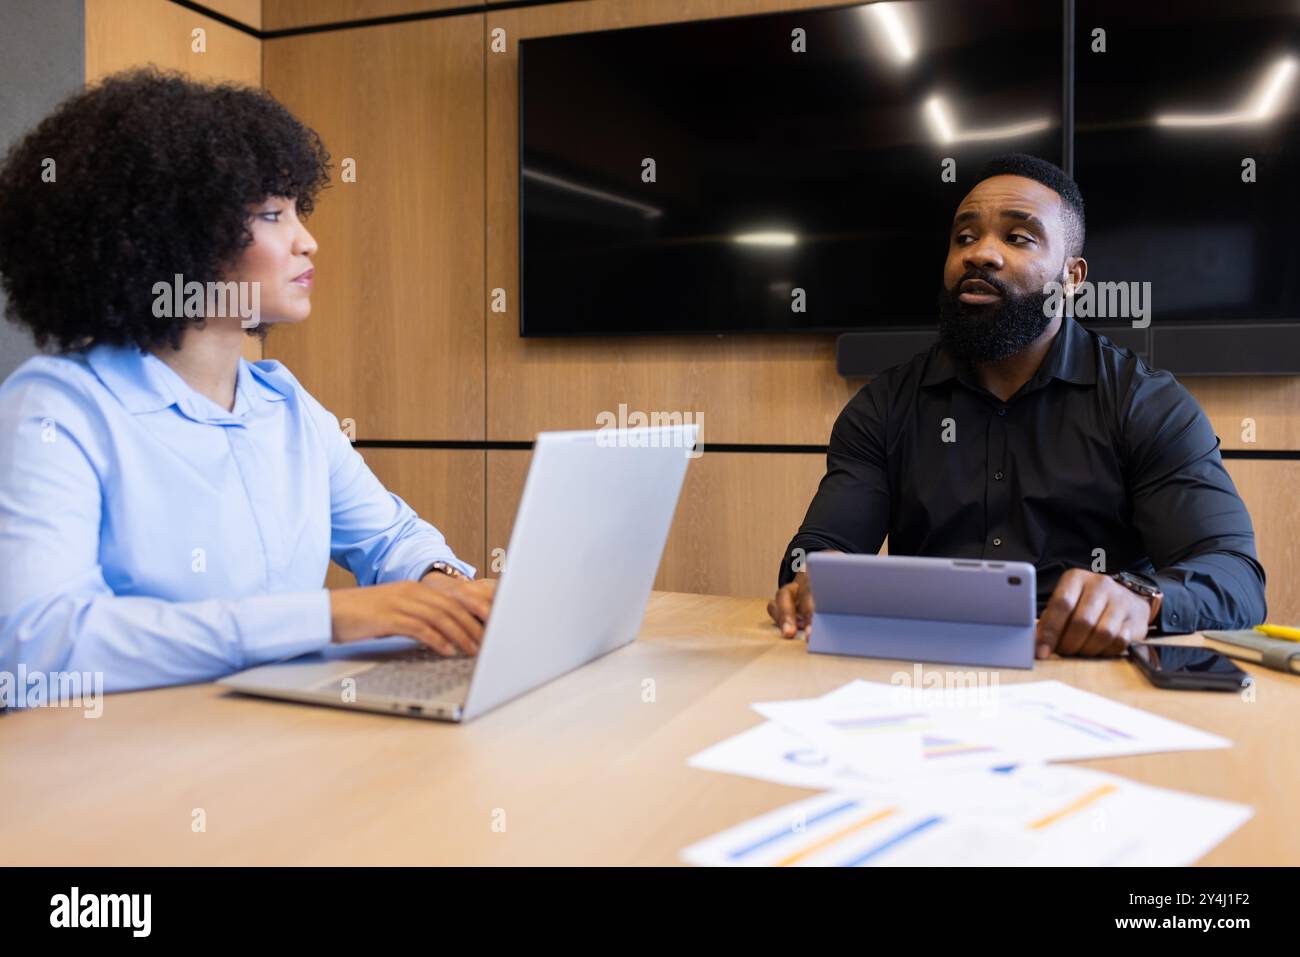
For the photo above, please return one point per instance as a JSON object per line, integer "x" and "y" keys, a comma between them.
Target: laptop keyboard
{"x": 420, "y": 674}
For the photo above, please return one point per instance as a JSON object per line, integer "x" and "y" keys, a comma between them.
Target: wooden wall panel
{"x": 759, "y": 389}
{"x": 1272, "y": 402}
{"x": 395, "y": 340}
{"x": 737, "y": 513}
{"x": 444, "y": 486}
{"x": 121, "y": 34}
{"x": 739, "y": 510}
{"x": 127, "y": 33}
{"x": 287, "y": 14}
{"x": 1269, "y": 490}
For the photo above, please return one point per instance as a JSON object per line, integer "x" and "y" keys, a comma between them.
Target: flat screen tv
{"x": 794, "y": 151}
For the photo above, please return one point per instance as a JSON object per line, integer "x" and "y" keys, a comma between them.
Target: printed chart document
{"x": 883, "y": 731}
{"x": 1031, "y": 815}
{"x": 929, "y": 776}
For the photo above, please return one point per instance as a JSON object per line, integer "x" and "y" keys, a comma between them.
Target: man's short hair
{"x": 1055, "y": 179}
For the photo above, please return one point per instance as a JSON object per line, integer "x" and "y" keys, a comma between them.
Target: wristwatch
{"x": 443, "y": 567}
{"x": 1143, "y": 587}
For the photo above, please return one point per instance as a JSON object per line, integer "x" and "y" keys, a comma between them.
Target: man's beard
{"x": 991, "y": 331}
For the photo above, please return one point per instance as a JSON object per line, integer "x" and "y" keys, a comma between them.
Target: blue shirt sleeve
{"x": 374, "y": 534}
{"x": 56, "y": 611}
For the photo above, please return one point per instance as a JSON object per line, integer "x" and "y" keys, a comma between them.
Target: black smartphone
{"x": 1188, "y": 667}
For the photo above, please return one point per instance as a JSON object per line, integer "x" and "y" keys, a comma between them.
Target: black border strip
{"x": 480, "y": 445}
{"x": 1282, "y": 455}
{"x": 363, "y": 22}
{"x": 473, "y": 445}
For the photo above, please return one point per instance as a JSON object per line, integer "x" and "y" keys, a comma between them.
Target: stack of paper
{"x": 920, "y": 776}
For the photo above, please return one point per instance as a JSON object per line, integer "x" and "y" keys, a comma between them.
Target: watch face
{"x": 1133, "y": 581}
{"x": 1144, "y": 589}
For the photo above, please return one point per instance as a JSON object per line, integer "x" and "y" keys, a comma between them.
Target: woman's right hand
{"x": 445, "y": 618}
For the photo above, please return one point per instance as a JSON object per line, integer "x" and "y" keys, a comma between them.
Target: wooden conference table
{"x": 582, "y": 771}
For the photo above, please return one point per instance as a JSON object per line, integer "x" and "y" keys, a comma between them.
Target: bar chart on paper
{"x": 881, "y": 734}
{"x": 1023, "y": 816}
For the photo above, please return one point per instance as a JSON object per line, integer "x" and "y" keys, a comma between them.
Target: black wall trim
{"x": 506, "y": 446}
{"x": 364, "y": 22}
{"x": 1280, "y": 455}
{"x": 1283, "y": 455}
{"x": 220, "y": 17}
{"x": 470, "y": 444}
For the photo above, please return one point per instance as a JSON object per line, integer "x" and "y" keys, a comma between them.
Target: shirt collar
{"x": 144, "y": 383}
{"x": 1070, "y": 358}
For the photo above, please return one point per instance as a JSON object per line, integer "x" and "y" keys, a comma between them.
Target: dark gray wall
{"x": 42, "y": 60}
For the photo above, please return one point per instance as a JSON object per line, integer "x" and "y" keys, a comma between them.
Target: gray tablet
{"x": 949, "y": 610}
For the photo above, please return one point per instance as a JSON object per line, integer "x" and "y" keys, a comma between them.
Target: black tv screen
{"x": 1165, "y": 117}
{"x": 775, "y": 169}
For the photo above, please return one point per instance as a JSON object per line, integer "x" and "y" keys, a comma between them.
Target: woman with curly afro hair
{"x": 168, "y": 509}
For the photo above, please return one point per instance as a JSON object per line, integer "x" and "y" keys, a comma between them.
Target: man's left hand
{"x": 1091, "y": 615}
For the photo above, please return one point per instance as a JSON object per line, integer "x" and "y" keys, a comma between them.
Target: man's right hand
{"x": 445, "y": 620}
{"x": 792, "y": 608}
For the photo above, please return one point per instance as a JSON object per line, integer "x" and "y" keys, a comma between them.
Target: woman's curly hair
{"x": 153, "y": 174}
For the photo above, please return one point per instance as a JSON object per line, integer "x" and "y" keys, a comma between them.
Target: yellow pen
{"x": 1280, "y": 631}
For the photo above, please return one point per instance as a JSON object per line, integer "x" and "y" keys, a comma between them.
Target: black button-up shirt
{"x": 1097, "y": 462}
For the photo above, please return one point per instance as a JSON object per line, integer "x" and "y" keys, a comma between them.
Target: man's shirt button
{"x": 997, "y": 541}
{"x": 998, "y": 476}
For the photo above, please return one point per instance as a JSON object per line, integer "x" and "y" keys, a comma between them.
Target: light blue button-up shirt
{"x": 151, "y": 535}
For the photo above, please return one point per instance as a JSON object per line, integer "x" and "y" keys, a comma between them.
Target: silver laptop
{"x": 578, "y": 570}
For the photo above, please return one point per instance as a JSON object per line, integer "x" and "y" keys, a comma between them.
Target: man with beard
{"x": 1022, "y": 436}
